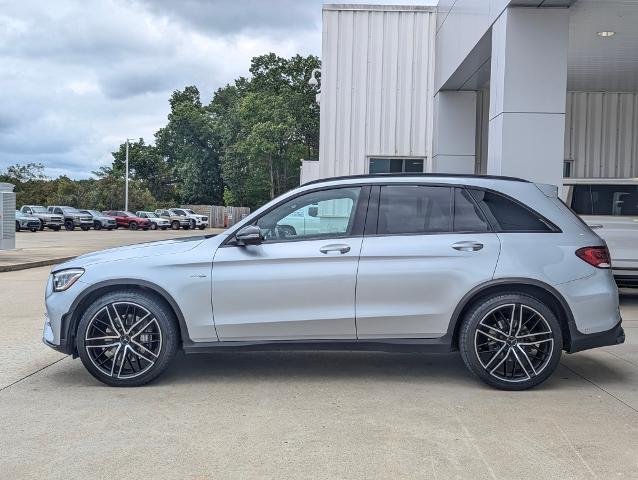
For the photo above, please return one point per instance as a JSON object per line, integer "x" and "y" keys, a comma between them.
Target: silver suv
{"x": 497, "y": 268}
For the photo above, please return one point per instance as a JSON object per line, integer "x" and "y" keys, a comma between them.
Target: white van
{"x": 610, "y": 207}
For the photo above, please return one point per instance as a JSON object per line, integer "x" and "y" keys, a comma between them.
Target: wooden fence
{"x": 219, "y": 216}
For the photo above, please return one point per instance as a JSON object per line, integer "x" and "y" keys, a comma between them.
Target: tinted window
{"x": 320, "y": 214}
{"x": 507, "y": 215}
{"x": 414, "y": 209}
{"x": 616, "y": 200}
{"x": 396, "y": 165}
{"x": 467, "y": 216}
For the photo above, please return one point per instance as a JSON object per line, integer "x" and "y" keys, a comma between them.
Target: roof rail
{"x": 420, "y": 175}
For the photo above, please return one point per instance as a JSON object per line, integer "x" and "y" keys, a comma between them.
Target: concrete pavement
{"x": 48, "y": 247}
{"x": 308, "y": 414}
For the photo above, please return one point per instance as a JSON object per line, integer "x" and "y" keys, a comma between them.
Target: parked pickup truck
{"x": 197, "y": 221}
{"x": 72, "y": 217}
{"x": 49, "y": 220}
{"x": 177, "y": 221}
{"x": 610, "y": 207}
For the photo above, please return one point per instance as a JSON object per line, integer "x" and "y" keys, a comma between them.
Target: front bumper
{"x": 585, "y": 341}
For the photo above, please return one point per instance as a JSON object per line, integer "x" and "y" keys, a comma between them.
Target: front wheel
{"x": 41, "y": 225}
{"x": 69, "y": 225}
{"x": 511, "y": 341}
{"x": 175, "y": 225}
{"x": 153, "y": 226}
{"x": 85, "y": 228}
{"x": 132, "y": 226}
{"x": 97, "y": 225}
{"x": 127, "y": 338}
{"x": 202, "y": 227}
{"x": 35, "y": 229}
{"x": 164, "y": 228}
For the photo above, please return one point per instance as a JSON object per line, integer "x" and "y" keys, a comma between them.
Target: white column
{"x": 454, "y": 140}
{"x": 528, "y": 87}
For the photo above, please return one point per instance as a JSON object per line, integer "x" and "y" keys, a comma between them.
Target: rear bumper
{"x": 585, "y": 341}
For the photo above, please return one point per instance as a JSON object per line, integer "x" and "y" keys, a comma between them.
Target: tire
{"x": 193, "y": 224}
{"x": 202, "y": 227}
{"x": 97, "y": 225}
{"x": 69, "y": 225}
{"x": 175, "y": 225}
{"x": 506, "y": 355}
{"x": 56, "y": 229}
{"x": 145, "y": 229}
{"x": 41, "y": 225}
{"x": 110, "y": 228}
{"x": 158, "y": 337}
{"x": 132, "y": 226}
{"x": 17, "y": 226}
{"x": 163, "y": 228}
{"x": 153, "y": 226}
{"x": 33, "y": 230}
{"x": 85, "y": 228}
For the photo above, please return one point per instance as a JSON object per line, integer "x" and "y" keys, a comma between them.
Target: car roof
{"x": 402, "y": 177}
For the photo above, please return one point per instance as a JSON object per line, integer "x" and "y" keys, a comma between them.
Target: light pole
{"x": 126, "y": 183}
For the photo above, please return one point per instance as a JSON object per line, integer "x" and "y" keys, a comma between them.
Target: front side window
{"x": 315, "y": 215}
{"x": 508, "y": 216}
{"x": 408, "y": 209}
{"x": 396, "y": 165}
{"x": 614, "y": 200}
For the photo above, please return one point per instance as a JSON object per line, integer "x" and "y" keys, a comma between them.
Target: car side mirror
{"x": 313, "y": 211}
{"x": 250, "y": 235}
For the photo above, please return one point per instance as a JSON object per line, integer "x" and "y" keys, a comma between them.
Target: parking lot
{"x": 305, "y": 414}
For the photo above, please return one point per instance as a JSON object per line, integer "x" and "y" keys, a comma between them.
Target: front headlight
{"x": 63, "y": 279}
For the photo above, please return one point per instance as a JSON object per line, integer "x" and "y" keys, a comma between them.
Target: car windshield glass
{"x": 150, "y": 215}
{"x": 190, "y": 212}
{"x": 128, "y": 214}
{"x": 69, "y": 210}
{"x": 95, "y": 213}
{"x": 38, "y": 210}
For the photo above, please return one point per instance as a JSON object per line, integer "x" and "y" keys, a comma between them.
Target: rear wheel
{"x": 127, "y": 338}
{"x": 41, "y": 225}
{"x": 132, "y": 225}
{"x": 511, "y": 341}
{"x": 17, "y": 226}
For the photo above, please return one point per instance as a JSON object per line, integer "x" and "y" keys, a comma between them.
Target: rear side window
{"x": 508, "y": 216}
{"x": 614, "y": 200}
{"x": 414, "y": 209}
{"x": 467, "y": 216}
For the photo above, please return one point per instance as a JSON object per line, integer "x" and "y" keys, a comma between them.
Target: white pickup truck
{"x": 610, "y": 207}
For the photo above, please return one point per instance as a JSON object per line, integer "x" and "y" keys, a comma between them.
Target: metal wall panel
{"x": 376, "y": 85}
{"x": 601, "y": 134}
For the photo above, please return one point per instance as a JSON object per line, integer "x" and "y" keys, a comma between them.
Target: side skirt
{"x": 400, "y": 345}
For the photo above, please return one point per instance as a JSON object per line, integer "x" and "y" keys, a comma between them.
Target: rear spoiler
{"x": 550, "y": 191}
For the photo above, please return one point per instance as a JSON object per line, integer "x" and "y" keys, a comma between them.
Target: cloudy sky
{"x": 79, "y": 76}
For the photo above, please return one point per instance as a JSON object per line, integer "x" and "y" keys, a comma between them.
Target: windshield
{"x": 128, "y": 214}
{"x": 38, "y": 210}
{"x": 70, "y": 210}
{"x": 190, "y": 212}
{"x": 95, "y": 213}
{"x": 150, "y": 215}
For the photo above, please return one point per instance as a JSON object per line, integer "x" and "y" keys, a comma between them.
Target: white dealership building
{"x": 535, "y": 89}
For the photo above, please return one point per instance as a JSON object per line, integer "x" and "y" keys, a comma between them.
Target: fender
{"x": 70, "y": 319}
{"x": 476, "y": 291}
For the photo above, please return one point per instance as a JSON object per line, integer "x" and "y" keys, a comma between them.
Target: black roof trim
{"x": 420, "y": 175}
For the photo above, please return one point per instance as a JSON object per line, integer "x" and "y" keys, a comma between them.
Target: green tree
{"x": 191, "y": 147}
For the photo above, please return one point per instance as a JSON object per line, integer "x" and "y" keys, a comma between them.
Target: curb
{"x": 40, "y": 263}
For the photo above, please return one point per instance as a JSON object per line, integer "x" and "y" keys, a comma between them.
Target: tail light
{"x": 595, "y": 256}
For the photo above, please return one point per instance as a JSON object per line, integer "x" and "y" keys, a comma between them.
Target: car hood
{"x": 139, "y": 250}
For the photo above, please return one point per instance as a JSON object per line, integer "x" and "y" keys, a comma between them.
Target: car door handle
{"x": 467, "y": 246}
{"x": 335, "y": 247}
{"x": 596, "y": 226}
